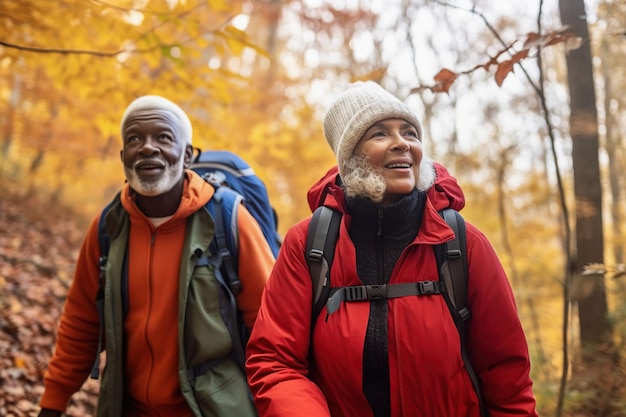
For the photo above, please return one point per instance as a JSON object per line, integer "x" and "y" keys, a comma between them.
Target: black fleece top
{"x": 380, "y": 234}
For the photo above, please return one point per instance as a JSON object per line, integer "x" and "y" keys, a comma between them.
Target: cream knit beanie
{"x": 160, "y": 103}
{"x": 355, "y": 111}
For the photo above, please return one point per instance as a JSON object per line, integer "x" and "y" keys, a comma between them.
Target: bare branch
{"x": 535, "y": 40}
{"x": 58, "y": 51}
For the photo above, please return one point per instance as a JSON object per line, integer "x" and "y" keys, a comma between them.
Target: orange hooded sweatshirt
{"x": 150, "y": 327}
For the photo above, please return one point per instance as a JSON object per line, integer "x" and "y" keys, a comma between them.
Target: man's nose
{"x": 149, "y": 147}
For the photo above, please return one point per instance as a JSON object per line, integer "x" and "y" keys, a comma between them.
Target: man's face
{"x": 154, "y": 153}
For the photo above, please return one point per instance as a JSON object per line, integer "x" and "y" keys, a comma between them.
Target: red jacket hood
{"x": 444, "y": 192}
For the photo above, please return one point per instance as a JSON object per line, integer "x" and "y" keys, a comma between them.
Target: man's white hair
{"x": 151, "y": 102}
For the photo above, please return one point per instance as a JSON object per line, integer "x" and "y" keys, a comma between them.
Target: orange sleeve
{"x": 77, "y": 333}
{"x": 255, "y": 265}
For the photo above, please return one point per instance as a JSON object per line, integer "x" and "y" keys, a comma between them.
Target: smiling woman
{"x": 391, "y": 246}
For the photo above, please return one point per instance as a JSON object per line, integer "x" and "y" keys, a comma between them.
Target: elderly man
{"x": 168, "y": 323}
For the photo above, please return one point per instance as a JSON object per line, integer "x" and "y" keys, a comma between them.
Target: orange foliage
{"x": 67, "y": 73}
{"x": 445, "y": 78}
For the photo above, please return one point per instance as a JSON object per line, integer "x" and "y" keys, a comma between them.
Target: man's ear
{"x": 188, "y": 155}
{"x": 122, "y": 155}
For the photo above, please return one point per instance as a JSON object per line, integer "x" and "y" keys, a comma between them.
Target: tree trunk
{"x": 594, "y": 370}
{"x": 592, "y": 306}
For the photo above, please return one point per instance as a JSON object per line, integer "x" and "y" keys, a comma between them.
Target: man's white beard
{"x": 166, "y": 182}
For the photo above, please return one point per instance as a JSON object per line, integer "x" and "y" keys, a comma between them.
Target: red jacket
{"x": 427, "y": 374}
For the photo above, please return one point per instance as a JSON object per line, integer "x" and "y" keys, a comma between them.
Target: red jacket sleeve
{"x": 277, "y": 352}
{"x": 497, "y": 345}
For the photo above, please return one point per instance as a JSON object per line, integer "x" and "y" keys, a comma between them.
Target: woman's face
{"x": 394, "y": 148}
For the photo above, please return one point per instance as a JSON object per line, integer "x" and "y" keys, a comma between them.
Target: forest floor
{"x": 39, "y": 243}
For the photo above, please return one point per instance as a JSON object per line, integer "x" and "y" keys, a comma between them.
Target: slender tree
{"x": 596, "y": 365}
{"x": 595, "y": 329}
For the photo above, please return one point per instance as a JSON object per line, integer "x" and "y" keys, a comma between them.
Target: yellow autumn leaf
{"x": 63, "y": 276}
{"x": 235, "y": 45}
{"x": 19, "y": 362}
{"x": 16, "y": 306}
{"x": 237, "y": 40}
{"x": 218, "y": 5}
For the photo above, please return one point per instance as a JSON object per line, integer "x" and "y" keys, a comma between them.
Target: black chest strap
{"x": 384, "y": 291}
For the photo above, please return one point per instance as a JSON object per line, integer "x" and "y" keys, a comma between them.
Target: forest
{"x": 523, "y": 102}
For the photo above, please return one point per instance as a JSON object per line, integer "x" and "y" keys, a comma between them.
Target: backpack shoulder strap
{"x": 320, "y": 251}
{"x": 453, "y": 271}
{"x": 454, "y": 267}
{"x": 104, "y": 240}
{"x": 224, "y": 207}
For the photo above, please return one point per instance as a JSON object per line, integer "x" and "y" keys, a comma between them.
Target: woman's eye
{"x": 412, "y": 133}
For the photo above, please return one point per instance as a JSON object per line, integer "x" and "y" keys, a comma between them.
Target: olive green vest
{"x": 203, "y": 338}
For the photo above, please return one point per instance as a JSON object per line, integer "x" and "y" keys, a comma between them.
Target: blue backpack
{"x": 224, "y": 168}
{"x": 235, "y": 183}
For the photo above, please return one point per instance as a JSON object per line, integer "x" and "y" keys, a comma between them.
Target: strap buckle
{"x": 375, "y": 292}
{"x": 366, "y": 292}
{"x": 427, "y": 287}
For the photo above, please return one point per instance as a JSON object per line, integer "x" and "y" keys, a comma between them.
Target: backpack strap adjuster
{"x": 315, "y": 255}
{"x": 464, "y": 314}
{"x": 356, "y": 293}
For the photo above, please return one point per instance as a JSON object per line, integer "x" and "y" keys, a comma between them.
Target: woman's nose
{"x": 399, "y": 143}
